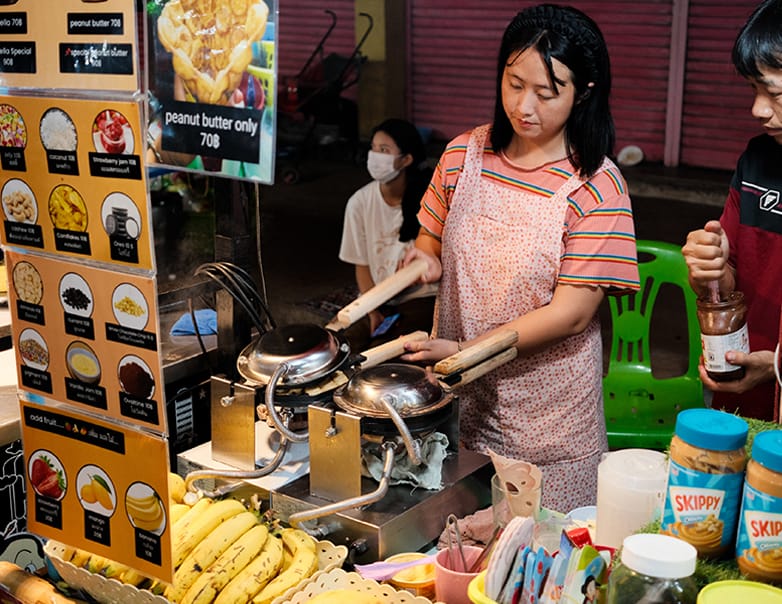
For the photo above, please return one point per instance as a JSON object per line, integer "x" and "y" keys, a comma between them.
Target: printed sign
{"x": 213, "y": 88}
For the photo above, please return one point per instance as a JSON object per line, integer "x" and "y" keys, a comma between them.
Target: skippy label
{"x": 759, "y": 539}
{"x": 702, "y": 508}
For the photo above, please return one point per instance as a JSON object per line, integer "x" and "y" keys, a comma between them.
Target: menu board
{"x": 89, "y": 491}
{"x": 76, "y": 44}
{"x": 73, "y": 180}
{"x": 212, "y": 86}
{"x": 87, "y": 336}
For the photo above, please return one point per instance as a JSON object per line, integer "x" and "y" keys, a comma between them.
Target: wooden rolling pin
{"x": 476, "y": 353}
{"x": 379, "y": 294}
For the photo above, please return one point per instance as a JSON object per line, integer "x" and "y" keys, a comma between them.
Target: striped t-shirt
{"x": 598, "y": 235}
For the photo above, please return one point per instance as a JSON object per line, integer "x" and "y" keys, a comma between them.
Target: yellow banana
{"x": 153, "y": 513}
{"x": 80, "y": 557}
{"x": 132, "y": 577}
{"x": 255, "y": 576}
{"x": 114, "y": 569}
{"x": 207, "y": 551}
{"x": 142, "y": 502}
{"x": 176, "y": 487}
{"x": 297, "y": 538}
{"x": 287, "y": 558}
{"x": 97, "y": 563}
{"x": 176, "y": 511}
{"x": 303, "y": 565}
{"x": 207, "y": 521}
{"x": 231, "y": 561}
{"x": 189, "y": 517}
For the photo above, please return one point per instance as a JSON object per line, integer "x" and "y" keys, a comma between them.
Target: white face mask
{"x": 381, "y": 166}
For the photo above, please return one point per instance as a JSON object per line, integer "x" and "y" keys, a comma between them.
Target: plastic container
{"x": 476, "y": 592}
{"x": 451, "y": 582}
{"x": 705, "y": 480}
{"x": 417, "y": 580}
{"x": 630, "y": 493}
{"x": 759, "y": 537}
{"x": 723, "y": 327}
{"x": 654, "y": 569}
{"x": 739, "y": 592}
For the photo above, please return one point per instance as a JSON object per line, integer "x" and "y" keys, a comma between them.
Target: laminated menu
{"x": 73, "y": 44}
{"x": 87, "y": 336}
{"x": 73, "y": 181}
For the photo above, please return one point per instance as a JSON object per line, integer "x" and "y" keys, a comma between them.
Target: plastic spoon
{"x": 380, "y": 571}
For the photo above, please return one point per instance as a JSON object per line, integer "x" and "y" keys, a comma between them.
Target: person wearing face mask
{"x": 380, "y": 225}
{"x": 740, "y": 250}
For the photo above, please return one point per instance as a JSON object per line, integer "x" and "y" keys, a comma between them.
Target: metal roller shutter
{"x": 302, "y": 25}
{"x": 716, "y": 122}
{"x": 454, "y": 46}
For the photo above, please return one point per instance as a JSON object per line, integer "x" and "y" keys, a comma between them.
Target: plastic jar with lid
{"x": 723, "y": 327}
{"x": 654, "y": 569}
{"x": 705, "y": 480}
{"x": 417, "y": 580}
{"x": 759, "y": 538}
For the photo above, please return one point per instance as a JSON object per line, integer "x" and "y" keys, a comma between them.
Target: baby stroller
{"x": 311, "y": 109}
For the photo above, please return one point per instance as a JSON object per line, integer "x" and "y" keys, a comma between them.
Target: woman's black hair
{"x": 572, "y": 38}
{"x": 418, "y": 176}
{"x": 759, "y": 43}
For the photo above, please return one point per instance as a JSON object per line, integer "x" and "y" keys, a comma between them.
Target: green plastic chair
{"x": 641, "y": 405}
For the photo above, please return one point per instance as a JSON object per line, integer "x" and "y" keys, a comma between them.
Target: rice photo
{"x": 58, "y": 132}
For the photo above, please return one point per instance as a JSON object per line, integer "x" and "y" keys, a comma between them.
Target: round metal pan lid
{"x": 310, "y": 351}
{"x": 410, "y": 389}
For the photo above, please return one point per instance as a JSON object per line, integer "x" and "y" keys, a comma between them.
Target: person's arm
{"x": 429, "y": 248}
{"x": 569, "y": 313}
{"x": 706, "y": 252}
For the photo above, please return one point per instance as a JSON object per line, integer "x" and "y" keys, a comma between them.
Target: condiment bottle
{"x": 759, "y": 539}
{"x": 705, "y": 478}
{"x": 654, "y": 569}
{"x": 723, "y": 327}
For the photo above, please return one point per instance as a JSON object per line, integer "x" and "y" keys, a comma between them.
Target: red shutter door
{"x": 454, "y": 47}
{"x": 716, "y": 121}
{"x": 302, "y": 25}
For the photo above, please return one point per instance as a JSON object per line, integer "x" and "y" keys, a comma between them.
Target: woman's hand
{"x": 706, "y": 253}
{"x": 429, "y": 350}
{"x": 758, "y": 368}
{"x": 434, "y": 270}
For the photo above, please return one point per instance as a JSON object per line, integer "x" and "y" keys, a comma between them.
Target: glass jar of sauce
{"x": 759, "y": 540}
{"x": 705, "y": 479}
{"x": 654, "y": 569}
{"x": 723, "y": 327}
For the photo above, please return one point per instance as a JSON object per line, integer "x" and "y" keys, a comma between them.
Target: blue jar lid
{"x": 711, "y": 429}
{"x": 767, "y": 449}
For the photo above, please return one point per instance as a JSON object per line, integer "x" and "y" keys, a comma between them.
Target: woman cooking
{"x": 527, "y": 224}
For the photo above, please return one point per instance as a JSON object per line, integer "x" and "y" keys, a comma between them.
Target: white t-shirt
{"x": 370, "y": 235}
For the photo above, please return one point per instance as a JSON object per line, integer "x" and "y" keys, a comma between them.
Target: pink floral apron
{"x": 501, "y": 251}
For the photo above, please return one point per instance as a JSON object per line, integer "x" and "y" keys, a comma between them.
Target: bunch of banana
{"x": 197, "y": 524}
{"x": 146, "y": 512}
{"x": 237, "y": 560}
{"x": 304, "y": 563}
{"x": 205, "y": 553}
{"x": 101, "y": 565}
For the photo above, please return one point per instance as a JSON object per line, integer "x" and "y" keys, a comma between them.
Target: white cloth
{"x": 429, "y": 475}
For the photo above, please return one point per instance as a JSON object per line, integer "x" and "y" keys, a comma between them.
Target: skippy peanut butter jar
{"x": 705, "y": 479}
{"x": 759, "y": 539}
